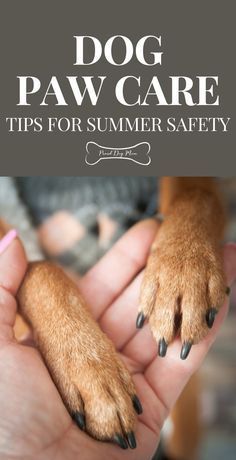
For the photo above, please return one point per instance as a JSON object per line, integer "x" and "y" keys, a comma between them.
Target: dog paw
{"x": 93, "y": 382}
{"x": 183, "y": 286}
{"x": 97, "y": 390}
{"x": 101, "y": 403}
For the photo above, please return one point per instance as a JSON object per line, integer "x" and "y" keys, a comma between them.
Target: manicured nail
{"x": 137, "y": 405}
{"x": 227, "y": 290}
{"x": 79, "y": 419}
{"x": 120, "y": 441}
{"x": 185, "y": 350}
{"x": 140, "y": 320}
{"x": 7, "y": 239}
{"x": 210, "y": 317}
{"x": 131, "y": 440}
{"x": 162, "y": 348}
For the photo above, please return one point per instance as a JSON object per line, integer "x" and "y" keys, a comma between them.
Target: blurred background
{"x": 218, "y": 373}
{"x": 75, "y": 220}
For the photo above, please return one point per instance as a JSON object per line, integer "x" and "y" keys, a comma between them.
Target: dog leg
{"x": 184, "y": 284}
{"x": 93, "y": 382}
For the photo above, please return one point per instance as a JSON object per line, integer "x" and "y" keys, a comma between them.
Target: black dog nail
{"x": 79, "y": 419}
{"x": 137, "y": 405}
{"x": 131, "y": 440}
{"x": 162, "y": 348}
{"x": 140, "y": 320}
{"x": 121, "y": 441}
{"x": 210, "y": 317}
{"x": 227, "y": 290}
{"x": 185, "y": 350}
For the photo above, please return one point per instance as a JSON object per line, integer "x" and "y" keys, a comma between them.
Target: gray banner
{"x": 37, "y": 40}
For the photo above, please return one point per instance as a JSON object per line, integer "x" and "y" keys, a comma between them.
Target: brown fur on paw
{"x": 184, "y": 284}
{"x": 93, "y": 382}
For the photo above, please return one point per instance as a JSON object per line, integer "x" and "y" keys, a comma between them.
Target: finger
{"x": 12, "y": 268}
{"x": 109, "y": 277}
{"x": 118, "y": 320}
{"x": 12, "y": 262}
{"x": 143, "y": 347}
{"x": 8, "y": 309}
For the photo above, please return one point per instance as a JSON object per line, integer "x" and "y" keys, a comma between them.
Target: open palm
{"x": 34, "y": 423}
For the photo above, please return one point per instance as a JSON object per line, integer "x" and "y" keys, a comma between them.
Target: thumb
{"x": 12, "y": 269}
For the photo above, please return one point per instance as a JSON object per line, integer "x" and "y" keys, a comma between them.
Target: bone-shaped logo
{"x": 138, "y": 153}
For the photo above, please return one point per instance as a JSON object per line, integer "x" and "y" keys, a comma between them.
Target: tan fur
{"x": 81, "y": 359}
{"x": 184, "y": 275}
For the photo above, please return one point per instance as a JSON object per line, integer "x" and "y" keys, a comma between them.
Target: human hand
{"x": 34, "y": 423}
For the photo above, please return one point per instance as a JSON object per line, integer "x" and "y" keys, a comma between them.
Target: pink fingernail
{"x": 7, "y": 239}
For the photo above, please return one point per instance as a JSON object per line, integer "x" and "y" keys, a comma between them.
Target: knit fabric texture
{"x": 75, "y": 220}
